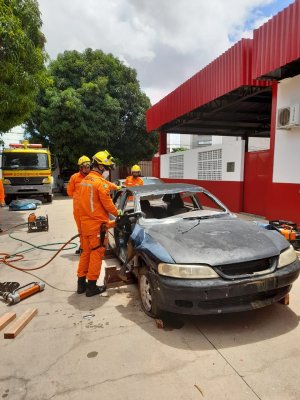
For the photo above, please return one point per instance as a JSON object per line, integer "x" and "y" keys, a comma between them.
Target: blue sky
{"x": 275, "y": 7}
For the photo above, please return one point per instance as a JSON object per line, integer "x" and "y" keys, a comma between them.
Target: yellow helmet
{"x": 136, "y": 168}
{"x": 83, "y": 159}
{"x": 104, "y": 158}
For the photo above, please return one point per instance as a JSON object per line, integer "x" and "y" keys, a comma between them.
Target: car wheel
{"x": 148, "y": 295}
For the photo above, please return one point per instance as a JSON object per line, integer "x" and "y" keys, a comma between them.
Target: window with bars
{"x": 210, "y": 165}
{"x": 176, "y": 165}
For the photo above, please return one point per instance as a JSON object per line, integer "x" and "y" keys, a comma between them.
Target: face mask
{"x": 105, "y": 174}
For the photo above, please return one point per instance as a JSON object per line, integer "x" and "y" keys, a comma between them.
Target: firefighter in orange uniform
{"x": 135, "y": 178}
{"x": 95, "y": 205}
{"x": 2, "y": 202}
{"x": 84, "y": 164}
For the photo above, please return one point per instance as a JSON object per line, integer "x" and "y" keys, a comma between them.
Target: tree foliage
{"x": 93, "y": 103}
{"x": 176, "y": 149}
{"x": 22, "y": 59}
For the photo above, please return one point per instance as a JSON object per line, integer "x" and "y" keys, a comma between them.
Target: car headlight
{"x": 287, "y": 257}
{"x": 187, "y": 271}
{"x": 6, "y": 182}
{"x": 48, "y": 179}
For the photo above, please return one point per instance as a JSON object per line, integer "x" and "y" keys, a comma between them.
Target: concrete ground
{"x": 105, "y": 347}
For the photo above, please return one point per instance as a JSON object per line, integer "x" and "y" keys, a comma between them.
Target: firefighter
{"x": 95, "y": 205}
{"x": 135, "y": 178}
{"x": 2, "y": 202}
{"x": 84, "y": 164}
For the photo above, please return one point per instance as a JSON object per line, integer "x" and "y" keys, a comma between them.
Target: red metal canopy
{"x": 277, "y": 44}
{"x": 228, "y": 72}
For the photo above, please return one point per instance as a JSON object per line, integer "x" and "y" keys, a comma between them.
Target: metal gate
{"x": 257, "y": 170}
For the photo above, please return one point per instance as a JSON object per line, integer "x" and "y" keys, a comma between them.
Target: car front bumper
{"x": 215, "y": 296}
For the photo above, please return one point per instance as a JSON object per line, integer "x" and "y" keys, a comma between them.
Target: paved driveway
{"x": 105, "y": 347}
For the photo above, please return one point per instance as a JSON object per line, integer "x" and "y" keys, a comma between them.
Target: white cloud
{"x": 165, "y": 40}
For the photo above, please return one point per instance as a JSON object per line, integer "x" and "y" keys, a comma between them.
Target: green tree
{"x": 94, "y": 102}
{"x": 176, "y": 149}
{"x": 22, "y": 59}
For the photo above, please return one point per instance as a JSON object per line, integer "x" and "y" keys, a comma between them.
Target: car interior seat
{"x": 146, "y": 208}
{"x": 174, "y": 203}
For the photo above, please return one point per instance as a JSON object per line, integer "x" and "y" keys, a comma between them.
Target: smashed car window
{"x": 182, "y": 204}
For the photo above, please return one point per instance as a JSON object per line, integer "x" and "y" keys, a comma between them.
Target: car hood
{"x": 215, "y": 241}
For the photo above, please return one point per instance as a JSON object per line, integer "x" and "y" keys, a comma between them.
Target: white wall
{"x": 233, "y": 152}
{"x": 287, "y": 142}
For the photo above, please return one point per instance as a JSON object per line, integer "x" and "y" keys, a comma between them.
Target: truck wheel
{"x": 148, "y": 295}
{"x": 8, "y": 199}
{"x": 49, "y": 198}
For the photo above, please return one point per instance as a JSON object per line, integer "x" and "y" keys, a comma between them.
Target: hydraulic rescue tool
{"x": 18, "y": 294}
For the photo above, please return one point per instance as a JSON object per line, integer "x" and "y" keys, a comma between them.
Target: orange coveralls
{"x": 1, "y": 195}
{"x": 1, "y": 192}
{"x": 132, "y": 181}
{"x": 73, "y": 191}
{"x": 95, "y": 205}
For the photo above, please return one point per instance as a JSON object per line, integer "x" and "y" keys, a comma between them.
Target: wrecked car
{"x": 191, "y": 255}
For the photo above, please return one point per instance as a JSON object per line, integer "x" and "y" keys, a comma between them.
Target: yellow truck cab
{"x": 26, "y": 171}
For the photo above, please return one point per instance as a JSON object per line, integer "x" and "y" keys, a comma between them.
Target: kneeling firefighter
{"x": 95, "y": 205}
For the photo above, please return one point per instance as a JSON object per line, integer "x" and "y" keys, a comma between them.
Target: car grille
{"x": 244, "y": 300}
{"x": 247, "y": 269}
{"x": 19, "y": 181}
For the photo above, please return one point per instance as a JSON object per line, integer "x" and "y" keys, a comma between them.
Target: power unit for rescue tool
{"x": 289, "y": 230}
{"x": 37, "y": 224}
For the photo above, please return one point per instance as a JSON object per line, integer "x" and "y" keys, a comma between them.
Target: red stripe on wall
{"x": 229, "y": 192}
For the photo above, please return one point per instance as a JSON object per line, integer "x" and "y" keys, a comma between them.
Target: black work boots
{"x": 81, "y": 285}
{"x": 78, "y": 251}
{"x": 92, "y": 289}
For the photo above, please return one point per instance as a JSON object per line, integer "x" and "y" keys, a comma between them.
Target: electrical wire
{"x": 12, "y": 227}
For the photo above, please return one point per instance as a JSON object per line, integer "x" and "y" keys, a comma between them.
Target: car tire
{"x": 8, "y": 199}
{"x": 147, "y": 294}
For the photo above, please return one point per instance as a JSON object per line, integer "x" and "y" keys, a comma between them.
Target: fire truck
{"x": 26, "y": 171}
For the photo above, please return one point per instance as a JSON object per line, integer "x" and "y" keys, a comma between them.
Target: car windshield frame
{"x": 20, "y": 161}
{"x": 141, "y": 193}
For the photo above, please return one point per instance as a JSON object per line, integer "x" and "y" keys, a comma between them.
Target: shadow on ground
{"x": 227, "y": 330}
{"x": 83, "y": 303}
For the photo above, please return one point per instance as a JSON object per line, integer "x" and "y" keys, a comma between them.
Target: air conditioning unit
{"x": 288, "y": 117}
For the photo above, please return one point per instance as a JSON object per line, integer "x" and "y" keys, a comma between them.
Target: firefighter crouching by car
{"x": 135, "y": 178}
{"x": 2, "y": 202}
{"x": 84, "y": 164}
{"x": 95, "y": 205}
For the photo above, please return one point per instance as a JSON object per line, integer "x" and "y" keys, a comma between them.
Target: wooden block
{"x": 20, "y": 323}
{"x": 286, "y": 300}
{"x": 159, "y": 323}
{"x": 6, "y": 318}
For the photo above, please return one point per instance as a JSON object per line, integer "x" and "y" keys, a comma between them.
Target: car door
{"x": 119, "y": 235}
